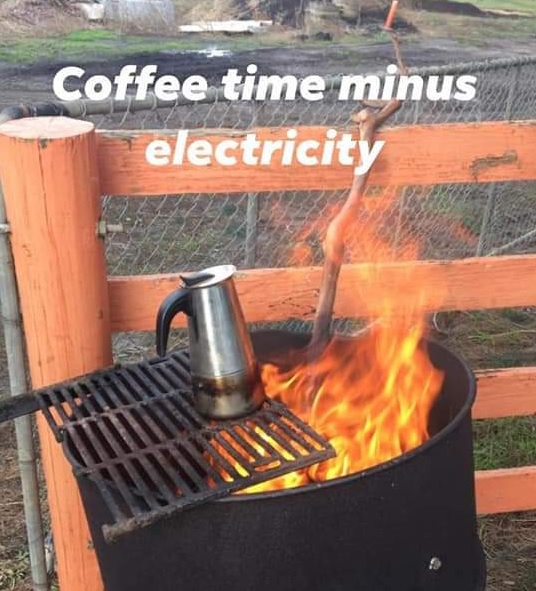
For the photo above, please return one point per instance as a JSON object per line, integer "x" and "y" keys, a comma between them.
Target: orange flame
{"x": 370, "y": 396}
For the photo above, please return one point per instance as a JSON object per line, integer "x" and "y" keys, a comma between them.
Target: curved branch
{"x": 334, "y": 244}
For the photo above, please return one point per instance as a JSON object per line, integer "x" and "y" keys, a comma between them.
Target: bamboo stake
{"x": 14, "y": 343}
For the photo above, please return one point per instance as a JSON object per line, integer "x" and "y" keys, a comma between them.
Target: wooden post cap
{"x": 49, "y": 128}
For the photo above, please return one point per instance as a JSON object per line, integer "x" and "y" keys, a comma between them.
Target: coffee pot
{"x": 225, "y": 375}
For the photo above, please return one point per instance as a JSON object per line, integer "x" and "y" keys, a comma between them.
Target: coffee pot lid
{"x": 208, "y": 277}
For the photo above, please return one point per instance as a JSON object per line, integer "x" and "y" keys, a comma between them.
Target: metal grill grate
{"x": 135, "y": 432}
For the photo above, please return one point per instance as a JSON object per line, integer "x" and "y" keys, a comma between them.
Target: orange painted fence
{"x": 53, "y": 171}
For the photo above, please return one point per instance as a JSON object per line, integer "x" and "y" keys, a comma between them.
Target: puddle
{"x": 210, "y": 52}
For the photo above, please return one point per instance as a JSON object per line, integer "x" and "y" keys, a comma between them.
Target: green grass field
{"x": 516, "y": 5}
{"x": 498, "y": 338}
{"x": 98, "y": 44}
{"x": 86, "y": 44}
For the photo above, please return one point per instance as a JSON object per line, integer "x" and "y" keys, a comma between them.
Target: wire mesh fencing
{"x": 173, "y": 233}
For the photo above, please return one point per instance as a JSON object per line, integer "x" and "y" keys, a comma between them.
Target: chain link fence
{"x": 173, "y": 233}
{"x": 272, "y": 229}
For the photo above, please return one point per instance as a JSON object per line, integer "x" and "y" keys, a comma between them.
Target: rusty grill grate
{"x": 135, "y": 432}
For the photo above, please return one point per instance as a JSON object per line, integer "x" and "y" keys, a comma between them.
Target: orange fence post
{"x": 49, "y": 174}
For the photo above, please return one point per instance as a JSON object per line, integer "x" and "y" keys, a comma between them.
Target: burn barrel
{"x": 406, "y": 525}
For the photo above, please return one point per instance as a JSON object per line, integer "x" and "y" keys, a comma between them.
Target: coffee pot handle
{"x": 178, "y": 301}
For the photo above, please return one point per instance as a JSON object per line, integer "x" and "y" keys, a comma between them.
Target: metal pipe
{"x": 14, "y": 407}
{"x": 14, "y": 343}
{"x": 512, "y": 244}
{"x": 492, "y": 194}
{"x": 252, "y": 214}
{"x": 50, "y": 109}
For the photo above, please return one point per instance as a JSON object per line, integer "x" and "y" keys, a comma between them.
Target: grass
{"x": 473, "y": 31}
{"x": 85, "y": 45}
{"x": 505, "y": 443}
{"x": 465, "y": 213}
{"x": 14, "y": 571}
{"x": 13, "y": 552}
{"x": 97, "y": 44}
{"x": 510, "y": 545}
{"x": 513, "y": 5}
{"x": 498, "y": 338}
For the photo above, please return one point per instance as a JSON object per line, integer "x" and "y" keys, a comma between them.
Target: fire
{"x": 370, "y": 396}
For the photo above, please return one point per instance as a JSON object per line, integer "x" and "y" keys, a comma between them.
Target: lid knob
{"x": 195, "y": 278}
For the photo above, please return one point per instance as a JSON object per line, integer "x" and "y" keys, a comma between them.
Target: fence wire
{"x": 172, "y": 233}
{"x": 176, "y": 232}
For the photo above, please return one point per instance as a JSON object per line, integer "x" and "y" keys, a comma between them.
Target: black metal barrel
{"x": 408, "y": 525}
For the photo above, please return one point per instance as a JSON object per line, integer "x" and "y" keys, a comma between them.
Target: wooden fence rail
{"x": 468, "y": 284}
{"x": 424, "y": 155}
{"x": 53, "y": 171}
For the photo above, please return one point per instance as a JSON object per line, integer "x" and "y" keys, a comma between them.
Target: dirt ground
{"x": 34, "y": 83}
{"x": 13, "y": 551}
{"x": 510, "y": 540}
{"x": 429, "y": 38}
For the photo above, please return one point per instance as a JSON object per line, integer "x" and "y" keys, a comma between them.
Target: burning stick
{"x": 369, "y": 122}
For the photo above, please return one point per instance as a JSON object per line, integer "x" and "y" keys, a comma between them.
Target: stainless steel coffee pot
{"x": 225, "y": 375}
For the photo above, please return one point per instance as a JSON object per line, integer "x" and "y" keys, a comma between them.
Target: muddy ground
{"x": 34, "y": 83}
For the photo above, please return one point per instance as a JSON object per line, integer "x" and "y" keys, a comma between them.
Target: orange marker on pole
{"x": 391, "y": 15}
